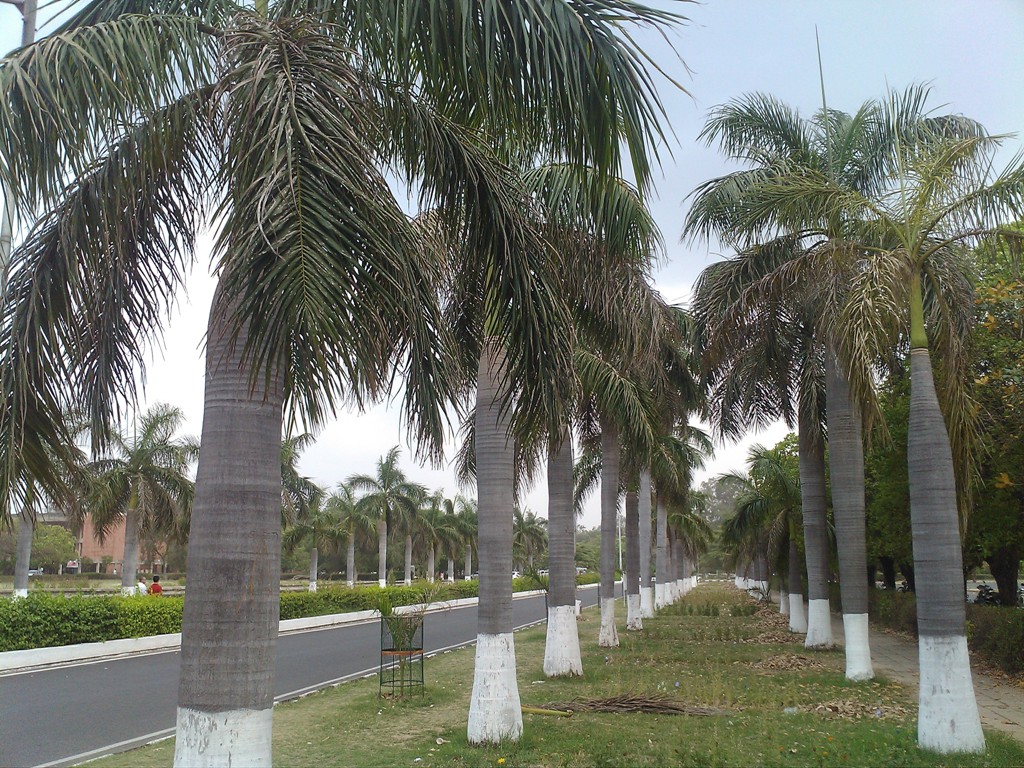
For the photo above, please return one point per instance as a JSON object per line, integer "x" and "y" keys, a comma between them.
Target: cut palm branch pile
{"x": 786, "y": 662}
{"x": 858, "y": 710}
{"x": 649, "y": 703}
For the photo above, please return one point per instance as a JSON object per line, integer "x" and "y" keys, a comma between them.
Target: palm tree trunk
{"x": 469, "y": 562}
{"x": 408, "y": 559}
{"x": 430, "y": 563}
{"x": 661, "y": 556}
{"x": 631, "y": 578}
{"x": 130, "y": 561}
{"x": 948, "y": 719}
{"x": 608, "y": 637}
{"x": 314, "y": 562}
{"x": 451, "y": 568}
{"x": 812, "y": 496}
{"x": 678, "y": 565}
{"x": 23, "y": 556}
{"x": 797, "y": 616}
{"x": 230, "y": 622}
{"x": 846, "y": 465}
{"x": 562, "y": 641}
{"x": 646, "y": 590}
{"x": 494, "y": 708}
{"x": 382, "y": 553}
{"x": 350, "y": 562}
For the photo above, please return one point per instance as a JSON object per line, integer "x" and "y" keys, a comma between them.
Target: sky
{"x": 969, "y": 51}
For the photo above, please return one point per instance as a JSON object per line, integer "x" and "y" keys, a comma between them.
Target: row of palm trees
{"x": 516, "y": 299}
{"x": 379, "y": 505}
{"x": 853, "y": 236}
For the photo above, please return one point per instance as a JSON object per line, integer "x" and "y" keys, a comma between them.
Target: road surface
{"x": 69, "y": 714}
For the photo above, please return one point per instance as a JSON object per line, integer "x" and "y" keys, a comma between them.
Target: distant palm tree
{"x": 388, "y": 497}
{"x": 356, "y": 525}
{"x": 435, "y": 529}
{"x": 321, "y": 527}
{"x": 143, "y": 483}
{"x": 529, "y": 535}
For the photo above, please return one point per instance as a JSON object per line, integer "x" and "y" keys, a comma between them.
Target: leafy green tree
{"x": 52, "y": 547}
{"x": 996, "y": 525}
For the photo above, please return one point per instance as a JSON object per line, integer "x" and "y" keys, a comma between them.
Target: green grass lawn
{"x": 772, "y": 702}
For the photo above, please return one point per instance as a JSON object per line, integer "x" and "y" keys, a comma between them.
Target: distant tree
{"x": 52, "y": 547}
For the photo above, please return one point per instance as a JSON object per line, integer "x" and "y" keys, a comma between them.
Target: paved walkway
{"x": 1001, "y": 703}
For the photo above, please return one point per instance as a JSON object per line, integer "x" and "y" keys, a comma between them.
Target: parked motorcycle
{"x": 986, "y": 595}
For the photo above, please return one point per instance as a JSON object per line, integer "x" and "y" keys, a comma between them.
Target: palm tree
{"x": 435, "y": 528}
{"x": 390, "y": 499}
{"x": 767, "y": 511}
{"x": 529, "y": 536}
{"x": 319, "y": 526}
{"x": 354, "y": 523}
{"x": 134, "y": 127}
{"x": 466, "y": 525}
{"x": 143, "y": 483}
{"x": 942, "y": 200}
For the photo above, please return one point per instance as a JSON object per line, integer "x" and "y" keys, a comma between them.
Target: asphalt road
{"x": 69, "y": 714}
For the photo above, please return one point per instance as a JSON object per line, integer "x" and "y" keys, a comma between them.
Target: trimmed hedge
{"x": 44, "y": 620}
{"x": 995, "y": 634}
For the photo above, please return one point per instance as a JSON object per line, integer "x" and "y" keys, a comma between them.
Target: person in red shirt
{"x": 155, "y": 588}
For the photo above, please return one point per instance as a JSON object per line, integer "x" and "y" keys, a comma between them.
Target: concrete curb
{"x": 38, "y": 658}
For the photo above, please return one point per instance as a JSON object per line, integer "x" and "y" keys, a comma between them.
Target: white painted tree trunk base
{"x": 819, "y": 625}
{"x": 695, "y": 580}
{"x": 132, "y": 590}
{"x": 494, "y": 709}
{"x": 660, "y": 597}
{"x": 757, "y": 586}
{"x": 857, "y": 647}
{"x": 608, "y": 637}
{"x": 797, "y": 614}
{"x": 738, "y": 582}
{"x": 350, "y": 584}
{"x": 382, "y": 583}
{"x": 562, "y": 643}
{"x": 783, "y": 602}
{"x": 18, "y": 593}
{"x": 647, "y": 602}
{"x": 947, "y": 718}
{"x": 634, "y": 621}
{"x": 312, "y": 586}
{"x": 407, "y": 582}
{"x": 212, "y": 739}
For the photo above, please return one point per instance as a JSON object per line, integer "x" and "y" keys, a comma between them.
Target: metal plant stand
{"x": 401, "y": 655}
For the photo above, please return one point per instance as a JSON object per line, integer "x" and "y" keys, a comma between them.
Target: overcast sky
{"x": 970, "y": 51}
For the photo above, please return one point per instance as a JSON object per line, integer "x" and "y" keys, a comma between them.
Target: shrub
{"x": 997, "y": 635}
{"x": 45, "y": 620}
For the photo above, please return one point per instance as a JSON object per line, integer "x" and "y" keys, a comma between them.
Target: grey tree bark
{"x": 948, "y": 718}
{"x": 408, "y": 559}
{"x": 631, "y": 578}
{"x": 608, "y": 637}
{"x": 130, "y": 561}
{"x": 469, "y": 562}
{"x": 230, "y": 622}
{"x": 812, "y": 495}
{"x": 350, "y": 561}
{"x": 646, "y": 591}
{"x": 494, "y": 712}
{"x": 314, "y": 565}
{"x": 661, "y": 556}
{"x": 382, "y": 552}
{"x": 23, "y": 553}
{"x": 431, "y": 563}
{"x": 562, "y": 646}
{"x": 451, "y": 569}
{"x": 561, "y": 524}
{"x": 846, "y": 465}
